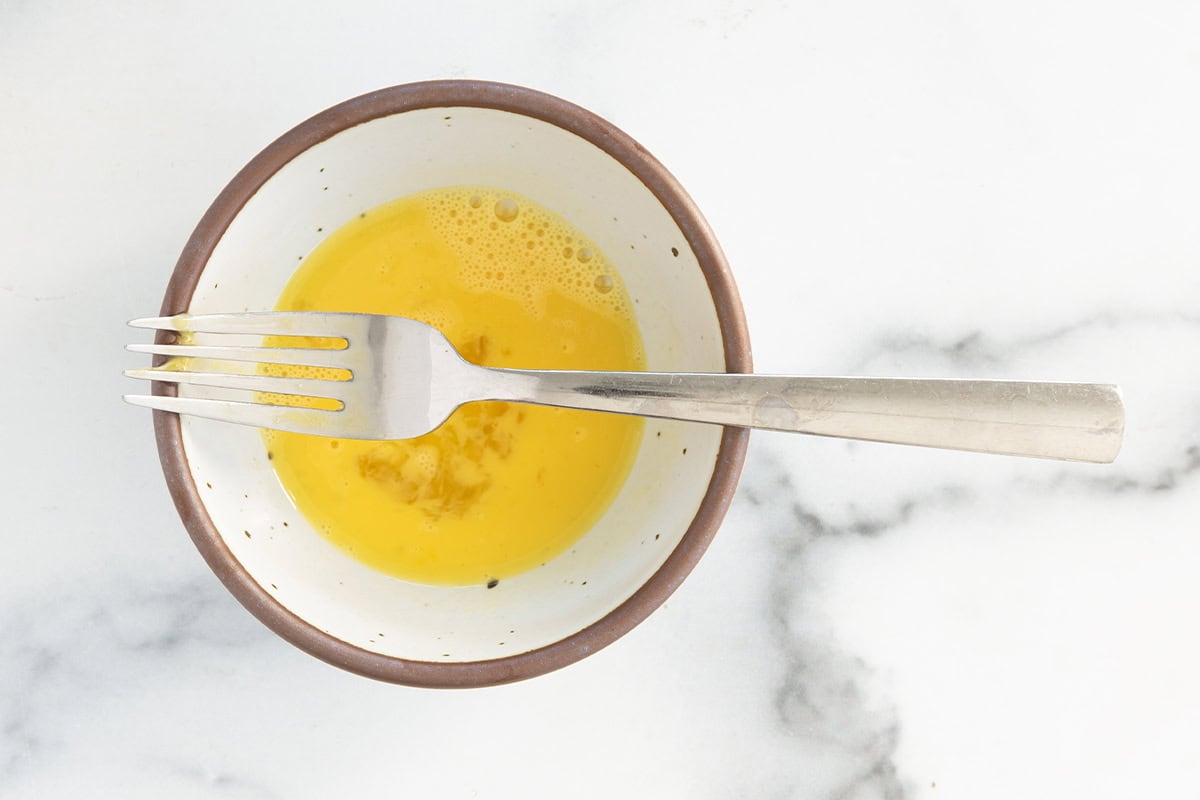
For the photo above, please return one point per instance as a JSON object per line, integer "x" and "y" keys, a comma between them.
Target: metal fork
{"x": 406, "y": 379}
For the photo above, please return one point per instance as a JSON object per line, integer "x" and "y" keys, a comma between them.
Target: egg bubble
{"x": 506, "y": 209}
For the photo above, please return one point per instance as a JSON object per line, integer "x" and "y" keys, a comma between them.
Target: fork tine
{"x": 305, "y": 387}
{"x": 296, "y": 420}
{"x": 280, "y": 323}
{"x": 305, "y": 357}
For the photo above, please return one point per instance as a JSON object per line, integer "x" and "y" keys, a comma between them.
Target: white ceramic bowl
{"x": 365, "y": 152}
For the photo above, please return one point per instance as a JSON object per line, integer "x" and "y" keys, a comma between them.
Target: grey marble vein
{"x": 63, "y": 654}
{"x": 980, "y": 349}
{"x": 1181, "y": 468}
{"x": 214, "y": 783}
{"x": 820, "y": 695}
{"x": 36, "y": 298}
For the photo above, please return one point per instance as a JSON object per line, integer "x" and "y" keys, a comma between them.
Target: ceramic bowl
{"x": 373, "y": 149}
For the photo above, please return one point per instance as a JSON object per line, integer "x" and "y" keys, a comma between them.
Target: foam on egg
{"x": 503, "y": 241}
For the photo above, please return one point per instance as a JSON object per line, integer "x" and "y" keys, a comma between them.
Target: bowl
{"x": 385, "y": 145}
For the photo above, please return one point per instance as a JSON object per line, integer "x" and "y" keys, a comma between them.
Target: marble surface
{"x": 934, "y": 189}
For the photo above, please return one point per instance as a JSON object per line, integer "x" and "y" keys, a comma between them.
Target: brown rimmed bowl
{"x": 385, "y": 145}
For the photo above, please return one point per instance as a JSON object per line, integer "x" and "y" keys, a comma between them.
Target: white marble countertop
{"x": 972, "y": 189}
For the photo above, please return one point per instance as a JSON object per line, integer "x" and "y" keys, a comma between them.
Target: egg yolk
{"x": 500, "y": 488}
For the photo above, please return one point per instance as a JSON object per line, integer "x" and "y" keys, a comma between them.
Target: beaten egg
{"x": 500, "y": 488}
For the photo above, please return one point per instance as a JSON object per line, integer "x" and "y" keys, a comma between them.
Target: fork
{"x": 405, "y": 379}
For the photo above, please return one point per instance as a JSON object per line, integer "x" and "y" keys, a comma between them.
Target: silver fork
{"x": 406, "y": 379}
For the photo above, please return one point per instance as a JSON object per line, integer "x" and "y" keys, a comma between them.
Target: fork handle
{"x": 1066, "y": 421}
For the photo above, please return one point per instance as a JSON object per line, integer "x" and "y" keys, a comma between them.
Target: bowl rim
{"x": 730, "y": 315}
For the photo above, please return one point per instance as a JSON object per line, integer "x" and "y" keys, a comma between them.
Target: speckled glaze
{"x": 368, "y": 657}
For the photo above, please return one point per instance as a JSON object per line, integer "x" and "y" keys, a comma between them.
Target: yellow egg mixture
{"x": 499, "y": 488}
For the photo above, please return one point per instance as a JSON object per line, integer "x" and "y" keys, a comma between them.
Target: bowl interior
{"x": 375, "y": 162}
